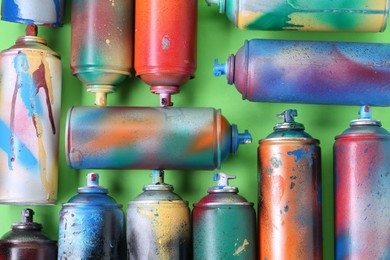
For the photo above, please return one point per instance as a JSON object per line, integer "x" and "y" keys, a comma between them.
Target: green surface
{"x": 217, "y": 38}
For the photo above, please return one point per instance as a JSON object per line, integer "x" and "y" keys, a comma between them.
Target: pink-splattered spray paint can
{"x": 362, "y": 194}
{"x": 102, "y": 44}
{"x": 30, "y": 101}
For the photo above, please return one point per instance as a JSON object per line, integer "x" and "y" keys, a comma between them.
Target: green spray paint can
{"x": 224, "y": 223}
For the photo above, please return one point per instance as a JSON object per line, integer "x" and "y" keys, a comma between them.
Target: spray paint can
{"x": 26, "y": 241}
{"x": 362, "y": 181}
{"x": 158, "y": 223}
{"x": 102, "y": 44}
{"x": 165, "y": 44}
{"x": 30, "y": 102}
{"x": 38, "y": 12}
{"x": 290, "y": 193}
{"x": 149, "y": 138}
{"x": 306, "y": 15}
{"x": 224, "y": 223}
{"x": 91, "y": 224}
{"x": 327, "y": 72}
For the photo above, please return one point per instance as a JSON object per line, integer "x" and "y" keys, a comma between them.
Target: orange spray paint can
{"x": 289, "y": 193}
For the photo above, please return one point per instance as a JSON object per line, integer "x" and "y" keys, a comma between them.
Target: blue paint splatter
{"x": 58, "y": 12}
{"x": 11, "y": 9}
{"x": 303, "y": 153}
{"x": 26, "y": 157}
{"x": 343, "y": 246}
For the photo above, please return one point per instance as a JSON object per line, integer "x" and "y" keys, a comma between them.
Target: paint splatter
{"x": 165, "y": 42}
{"x": 241, "y": 248}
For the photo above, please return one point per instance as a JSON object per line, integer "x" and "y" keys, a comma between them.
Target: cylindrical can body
{"x": 224, "y": 232}
{"x": 39, "y": 12}
{"x": 91, "y": 226}
{"x": 326, "y": 72}
{"x": 309, "y": 15}
{"x": 147, "y": 138}
{"x": 102, "y": 42}
{"x": 30, "y": 102}
{"x": 224, "y": 224}
{"x": 289, "y": 202}
{"x": 165, "y": 41}
{"x": 362, "y": 181}
{"x": 158, "y": 230}
{"x": 26, "y": 241}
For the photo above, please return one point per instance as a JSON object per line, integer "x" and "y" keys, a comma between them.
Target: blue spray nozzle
{"x": 223, "y": 179}
{"x": 365, "y": 112}
{"x": 92, "y": 179}
{"x": 239, "y": 138}
{"x": 219, "y": 69}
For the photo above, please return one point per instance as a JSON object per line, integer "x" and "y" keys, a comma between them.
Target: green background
{"x": 217, "y": 38}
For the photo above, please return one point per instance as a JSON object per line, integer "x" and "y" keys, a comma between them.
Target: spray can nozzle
{"x": 365, "y": 112}
{"x": 92, "y": 179}
{"x": 288, "y": 115}
{"x": 27, "y": 215}
{"x": 221, "y": 4}
{"x": 223, "y": 179}
{"x": 219, "y": 69}
{"x": 157, "y": 177}
{"x": 239, "y": 138}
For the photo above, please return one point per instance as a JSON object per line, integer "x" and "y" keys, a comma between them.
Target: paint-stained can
{"x": 289, "y": 193}
{"x": 306, "y": 15}
{"x": 165, "y": 44}
{"x": 30, "y": 102}
{"x": 224, "y": 224}
{"x": 91, "y": 224}
{"x": 26, "y": 241}
{"x": 158, "y": 223}
{"x": 38, "y": 12}
{"x": 102, "y": 44}
{"x": 149, "y": 138}
{"x": 362, "y": 195}
{"x": 336, "y": 73}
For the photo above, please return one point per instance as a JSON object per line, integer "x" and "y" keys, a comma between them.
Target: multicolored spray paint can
{"x": 102, "y": 44}
{"x": 327, "y": 72}
{"x": 306, "y": 15}
{"x": 224, "y": 223}
{"x": 91, "y": 225}
{"x": 158, "y": 223}
{"x": 26, "y": 241}
{"x": 290, "y": 193}
{"x": 362, "y": 195}
{"x": 38, "y": 12}
{"x": 165, "y": 44}
{"x": 149, "y": 138}
{"x": 30, "y": 102}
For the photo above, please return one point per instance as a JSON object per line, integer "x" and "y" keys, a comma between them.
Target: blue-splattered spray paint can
{"x": 91, "y": 224}
{"x": 26, "y": 241}
{"x": 158, "y": 223}
{"x": 38, "y": 12}
{"x": 224, "y": 224}
{"x": 290, "y": 193}
{"x": 362, "y": 195}
{"x": 30, "y": 102}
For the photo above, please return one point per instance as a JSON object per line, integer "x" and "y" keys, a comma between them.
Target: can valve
{"x": 288, "y": 115}
{"x": 27, "y": 215}
{"x": 365, "y": 112}
{"x": 219, "y": 69}
{"x": 157, "y": 176}
{"x": 221, "y": 4}
{"x": 223, "y": 179}
{"x": 92, "y": 179}
{"x": 239, "y": 138}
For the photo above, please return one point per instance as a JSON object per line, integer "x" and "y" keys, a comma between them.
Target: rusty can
{"x": 158, "y": 223}
{"x": 38, "y": 12}
{"x": 165, "y": 44}
{"x": 91, "y": 224}
{"x": 102, "y": 44}
{"x": 333, "y": 73}
{"x": 362, "y": 181}
{"x": 224, "y": 223}
{"x": 290, "y": 193}
{"x": 30, "y": 102}
{"x": 149, "y": 138}
{"x": 26, "y": 241}
{"x": 306, "y": 15}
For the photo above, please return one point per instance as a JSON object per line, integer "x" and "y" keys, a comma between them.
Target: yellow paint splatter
{"x": 241, "y": 248}
{"x": 107, "y": 41}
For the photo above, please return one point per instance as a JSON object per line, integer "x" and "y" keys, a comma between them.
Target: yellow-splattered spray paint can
{"x": 30, "y": 102}
{"x": 224, "y": 224}
{"x": 158, "y": 223}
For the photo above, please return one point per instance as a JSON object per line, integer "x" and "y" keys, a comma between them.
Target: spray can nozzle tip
{"x": 223, "y": 179}
{"x": 92, "y": 179}
{"x": 219, "y": 69}
{"x": 288, "y": 115}
{"x": 27, "y": 215}
{"x": 365, "y": 112}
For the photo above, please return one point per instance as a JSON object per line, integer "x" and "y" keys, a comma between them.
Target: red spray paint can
{"x": 165, "y": 44}
{"x": 290, "y": 188}
{"x": 362, "y": 181}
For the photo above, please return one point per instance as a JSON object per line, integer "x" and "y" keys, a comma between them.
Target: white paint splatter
{"x": 241, "y": 248}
